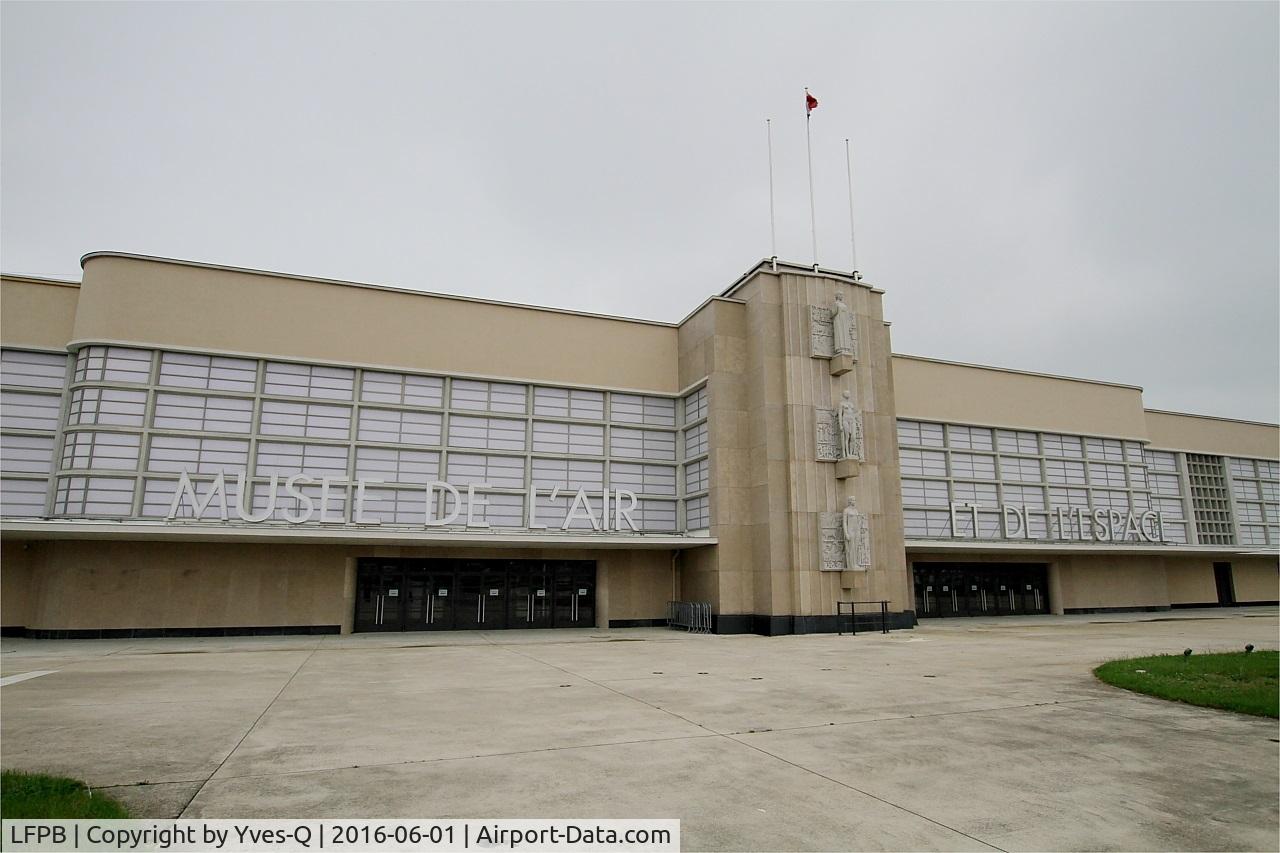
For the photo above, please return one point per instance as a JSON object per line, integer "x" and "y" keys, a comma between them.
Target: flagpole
{"x": 808, "y": 143}
{"x": 773, "y": 232}
{"x": 853, "y": 246}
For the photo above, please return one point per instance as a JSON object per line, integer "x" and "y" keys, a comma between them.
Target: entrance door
{"x": 531, "y": 585}
{"x": 379, "y": 597}
{"x": 482, "y": 595}
{"x": 575, "y": 595}
{"x": 1226, "y": 586}
{"x": 428, "y": 605}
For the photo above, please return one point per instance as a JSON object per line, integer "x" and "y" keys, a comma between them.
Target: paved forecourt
{"x": 961, "y": 734}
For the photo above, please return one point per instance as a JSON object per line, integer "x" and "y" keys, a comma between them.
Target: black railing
{"x": 849, "y": 610}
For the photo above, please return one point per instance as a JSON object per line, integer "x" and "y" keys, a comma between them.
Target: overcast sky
{"x": 1081, "y": 189}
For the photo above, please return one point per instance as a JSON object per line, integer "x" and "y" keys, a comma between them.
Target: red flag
{"x": 810, "y": 102}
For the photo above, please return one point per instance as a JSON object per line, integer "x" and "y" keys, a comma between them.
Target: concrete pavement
{"x": 966, "y": 734}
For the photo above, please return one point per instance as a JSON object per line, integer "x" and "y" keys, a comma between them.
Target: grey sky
{"x": 1080, "y": 189}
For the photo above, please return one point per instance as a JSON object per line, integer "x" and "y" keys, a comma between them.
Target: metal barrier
{"x": 849, "y": 609}
{"x": 693, "y": 616}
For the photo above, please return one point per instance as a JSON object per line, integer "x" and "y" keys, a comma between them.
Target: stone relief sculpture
{"x": 843, "y": 337}
{"x": 827, "y": 435}
{"x": 849, "y": 420}
{"x": 857, "y": 536}
{"x": 831, "y": 542}
{"x": 821, "y": 344}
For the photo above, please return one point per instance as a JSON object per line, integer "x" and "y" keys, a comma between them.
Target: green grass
{"x": 1234, "y": 681}
{"x": 35, "y": 796}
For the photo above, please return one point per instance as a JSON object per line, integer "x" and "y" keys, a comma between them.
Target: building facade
{"x": 193, "y": 449}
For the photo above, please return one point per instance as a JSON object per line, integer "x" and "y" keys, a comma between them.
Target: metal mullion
{"x": 55, "y": 462}
{"x": 353, "y": 418}
{"x": 144, "y": 442}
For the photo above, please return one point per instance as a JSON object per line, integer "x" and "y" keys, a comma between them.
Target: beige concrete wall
{"x": 1088, "y": 582}
{"x": 16, "y": 592}
{"x": 1190, "y": 580}
{"x": 36, "y": 313}
{"x": 171, "y": 304}
{"x": 971, "y": 394}
{"x": 1256, "y": 579}
{"x": 1200, "y": 434}
{"x": 72, "y": 584}
{"x": 713, "y": 345}
{"x": 87, "y": 585}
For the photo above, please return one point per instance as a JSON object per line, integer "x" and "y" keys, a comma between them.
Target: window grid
{"x": 327, "y": 421}
{"x": 1037, "y": 471}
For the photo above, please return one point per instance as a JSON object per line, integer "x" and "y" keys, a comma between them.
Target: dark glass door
{"x": 482, "y": 595}
{"x": 575, "y": 595}
{"x": 427, "y": 601}
{"x": 1226, "y": 588}
{"x": 530, "y": 585}
{"x": 379, "y": 597}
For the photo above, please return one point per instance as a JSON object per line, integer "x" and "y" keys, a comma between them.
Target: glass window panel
{"x": 568, "y": 474}
{"x": 1067, "y": 497}
{"x": 196, "y": 412}
{"x": 1025, "y": 470}
{"x": 1110, "y": 499}
{"x": 648, "y": 444}
{"x": 920, "y": 434}
{"x": 305, "y": 420}
{"x": 1160, "y": 460}
{"x": 195, "y": 455}
{"x": 1243, "y": 468}
{"x": 1027, "y": 496}
{"x": 306, "y": 380}
{"x": 22, "y": 498}
{"x": 314, "y": 460}
{"x": 1270, "y": 491}
{"x": 1013, "y": 441}
{"x": 975, "y": 493}
{"x": 402, "y": 389}
{"x": 113, "y": 364}
{"x": 334, "y": 510}
{"x": 581, "y": 439}
{"x": 654, "y": 515}
{"x": 29, "y": 369}
{"x": 929, "y": 463}
{"x": 1268, "y": 469}
{"x": 393, "y": 426}
{"x": 697, "y": 477}
{"x": 22, "y": 410}
{"x": 1058, "y": 471}
{"x": 973, "y": 465}
{"x": 1171, "y": 507}
{"x": 695, "y": 441}
{"x": 396, "y": 506}
{"x": 697, "y": 513}
{"x": 472, "y": 395}
{"x": 970, "y": 438}
{"x": 1101, "y": 474}
{"x": 643, "y": 479}
{"x": 502, "y": 472}
{"x": 212, "y": 373}
{"x": 1063, "y": 445}
{"x": 695, "y": 405}
{"x": 921, "y": 522}
{"x": 925, "y": 492}
{"x": 26, "y": 454}
{"x": 486, "y": 433}
{"x": 638, "y": 409}
{"x": 1105, "y": 448}
{"x": 1165, "y": 484}
{"x": 108, "y": 450}
{"x": 391, "y": 465}
{"x": 102, "y": 496}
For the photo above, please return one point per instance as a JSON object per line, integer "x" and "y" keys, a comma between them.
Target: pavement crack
{"x": 249, "y": 730}
{"x": 858, "y": 790}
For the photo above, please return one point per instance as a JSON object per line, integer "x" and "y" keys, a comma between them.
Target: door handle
{"x": 378, "y": 612}
{"x": 431, "y": 609}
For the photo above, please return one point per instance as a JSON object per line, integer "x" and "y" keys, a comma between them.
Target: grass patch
{"x": 1234, "y": 681}
{"x": 35, "y": 796}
